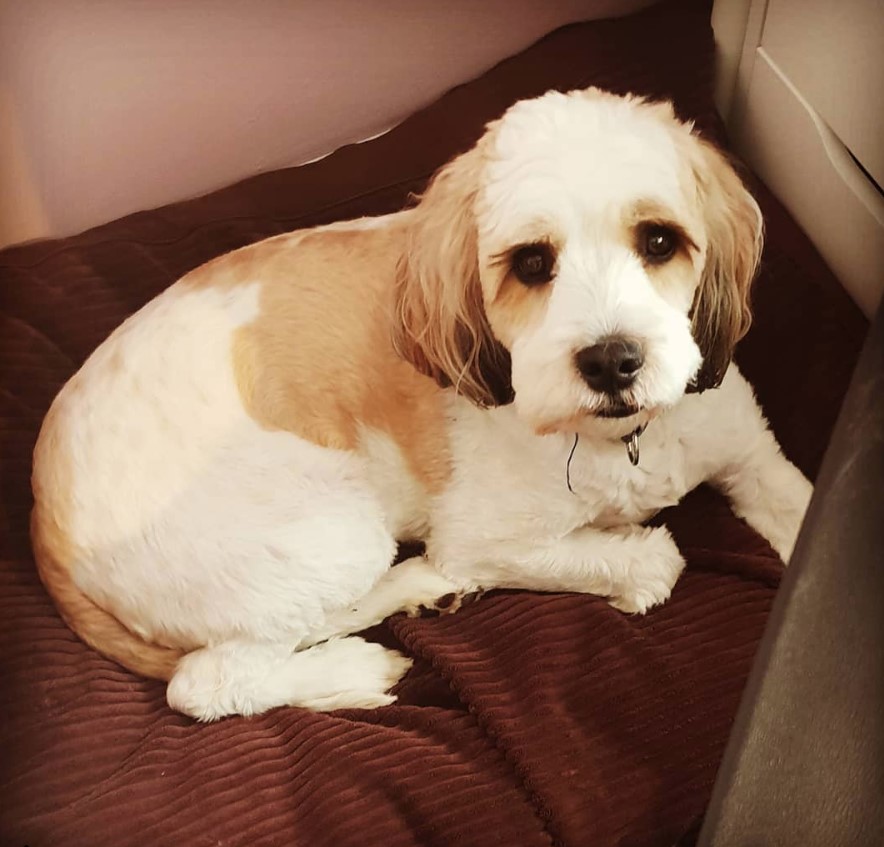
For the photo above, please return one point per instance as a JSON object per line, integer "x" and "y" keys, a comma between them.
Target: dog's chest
{"x": 615, "y": 492}
{"x": 514, "y": 483}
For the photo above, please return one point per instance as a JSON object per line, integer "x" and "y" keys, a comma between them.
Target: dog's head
{"x": 591, "y": 255}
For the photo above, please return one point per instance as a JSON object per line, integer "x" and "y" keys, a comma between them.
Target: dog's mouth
{"x": 618, "y": 409}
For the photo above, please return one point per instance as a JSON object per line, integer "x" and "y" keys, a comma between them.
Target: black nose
{"x": 611, "y": 365}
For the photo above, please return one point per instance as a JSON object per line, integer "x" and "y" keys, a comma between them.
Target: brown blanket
{"x": 528, "y": 719}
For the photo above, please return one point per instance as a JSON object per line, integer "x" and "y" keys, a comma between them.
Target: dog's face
{"x": 591, "y": 250}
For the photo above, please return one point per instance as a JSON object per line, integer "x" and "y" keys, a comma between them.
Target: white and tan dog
{"x": 220, "y": 489}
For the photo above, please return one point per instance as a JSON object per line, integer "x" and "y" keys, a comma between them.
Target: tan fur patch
{"x": 319, "y": 362}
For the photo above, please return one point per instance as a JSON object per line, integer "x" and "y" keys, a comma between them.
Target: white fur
{"x": 202, "y": 530}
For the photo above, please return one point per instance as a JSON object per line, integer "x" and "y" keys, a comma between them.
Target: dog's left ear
{"x": 721, "y": 315}
{"x": 440, "y": 325}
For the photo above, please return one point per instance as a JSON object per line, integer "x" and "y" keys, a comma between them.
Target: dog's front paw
{"x": 650, "y": 577}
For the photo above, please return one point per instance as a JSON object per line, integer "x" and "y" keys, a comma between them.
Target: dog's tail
{"x": 97, "y": 627}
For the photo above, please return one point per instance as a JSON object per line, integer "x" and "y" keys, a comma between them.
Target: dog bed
{"x": 528, "y": 719}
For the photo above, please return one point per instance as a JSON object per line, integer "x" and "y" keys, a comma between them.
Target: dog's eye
{"x": 657, "y": 243}
{"x": 533, "y": 264}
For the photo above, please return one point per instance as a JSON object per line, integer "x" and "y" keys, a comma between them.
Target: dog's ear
{"x": 721, "y": 315}
{"x": 440, "y": 324}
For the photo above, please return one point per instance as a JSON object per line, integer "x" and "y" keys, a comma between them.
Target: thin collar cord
{"x": 568, "y": 466}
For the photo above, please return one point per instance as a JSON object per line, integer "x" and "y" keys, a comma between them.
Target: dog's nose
{"x": 612, "y": 364}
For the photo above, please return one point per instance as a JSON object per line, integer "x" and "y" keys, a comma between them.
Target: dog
{"x": 519, "y": 371}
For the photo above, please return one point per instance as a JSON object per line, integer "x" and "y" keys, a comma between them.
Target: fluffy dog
{"x": 514, "y": 371}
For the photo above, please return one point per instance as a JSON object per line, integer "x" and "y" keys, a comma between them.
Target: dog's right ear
{"x": 440, "y": 325}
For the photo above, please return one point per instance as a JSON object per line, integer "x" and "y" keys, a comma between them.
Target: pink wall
{"x": 111, "y": 106}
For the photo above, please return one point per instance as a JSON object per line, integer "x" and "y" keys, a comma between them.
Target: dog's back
{"x": 168, "y": 458}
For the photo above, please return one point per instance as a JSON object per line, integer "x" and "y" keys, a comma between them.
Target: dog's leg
{"x": 635, "y": 567}
{"x": 742, "y": 458}
{"x": 405, "y": 588}
{"x": 768, "y": 492}
{"x": 247, "y": 678}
